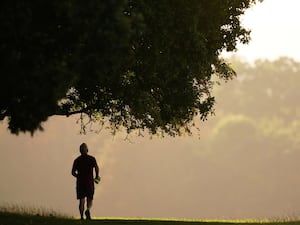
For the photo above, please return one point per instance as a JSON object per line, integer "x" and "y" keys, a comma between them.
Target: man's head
{"x": 83, "y": 149}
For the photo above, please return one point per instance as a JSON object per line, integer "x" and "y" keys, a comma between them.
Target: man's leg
{"x": 89, "y": 203}
{"x": 88, "y": 206}
{"x": 81, "y": 207}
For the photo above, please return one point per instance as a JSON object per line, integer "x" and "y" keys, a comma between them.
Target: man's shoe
{"x": 88, "y": 214}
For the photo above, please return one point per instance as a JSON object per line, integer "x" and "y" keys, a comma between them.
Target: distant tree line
{"x": 260, "y": 109}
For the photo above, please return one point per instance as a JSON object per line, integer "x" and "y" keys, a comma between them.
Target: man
{"x": 83, "y": 167}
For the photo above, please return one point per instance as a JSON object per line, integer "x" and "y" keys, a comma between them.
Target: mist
{"x": 243, "y": 163}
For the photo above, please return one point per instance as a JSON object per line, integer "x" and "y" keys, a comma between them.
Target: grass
{"x": 15, "y": 215}
{"x": 29, "y": 210}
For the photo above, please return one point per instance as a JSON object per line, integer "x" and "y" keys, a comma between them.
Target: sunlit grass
{"x": 30, "y": 210}
{"x": 11, "y": 214}
{"x": 156, "y": 221}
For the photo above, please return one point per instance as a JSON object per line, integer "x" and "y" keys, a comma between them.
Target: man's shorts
{"x": 85, "y": 191}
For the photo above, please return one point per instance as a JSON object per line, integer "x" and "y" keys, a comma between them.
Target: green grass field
{"x": 8, "y": 218}
{"x": 23, "y": 216}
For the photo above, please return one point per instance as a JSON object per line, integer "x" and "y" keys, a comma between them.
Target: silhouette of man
{"x": 83, "y": 168}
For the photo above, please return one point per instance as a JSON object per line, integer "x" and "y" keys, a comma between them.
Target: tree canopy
{"x": 133, "y": 64}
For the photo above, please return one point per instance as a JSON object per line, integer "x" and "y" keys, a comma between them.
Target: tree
{"x": 133, "y": 64}
{"x": 259, "y": 110}
{"x": 273, "y": 87}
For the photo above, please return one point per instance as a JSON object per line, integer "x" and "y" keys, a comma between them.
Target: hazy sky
{"x": 275, "y": 30}
{"x": 151, "y": 178}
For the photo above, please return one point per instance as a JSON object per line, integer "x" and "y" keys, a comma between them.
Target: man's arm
{"x": 97, "y": 170}
{"x": 74, "y": 170}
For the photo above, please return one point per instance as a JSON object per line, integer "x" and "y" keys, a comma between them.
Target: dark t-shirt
{"x": 84, "y": 165}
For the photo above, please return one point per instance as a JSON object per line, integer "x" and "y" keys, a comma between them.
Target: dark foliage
{"x": 135, "y": 64}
